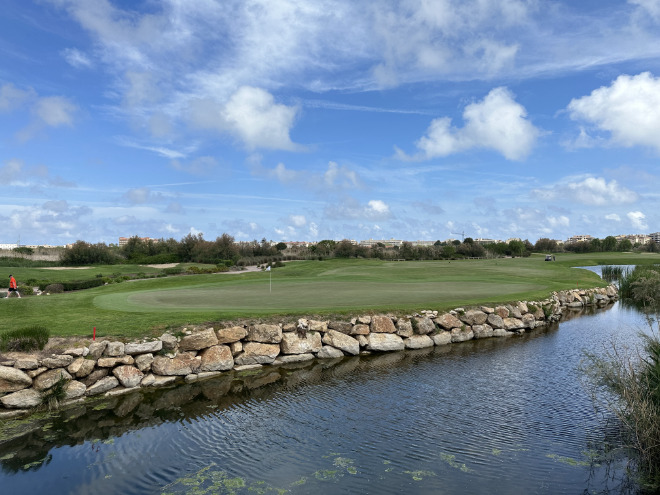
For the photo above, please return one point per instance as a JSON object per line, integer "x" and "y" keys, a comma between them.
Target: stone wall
{"x": 114, "y": 368}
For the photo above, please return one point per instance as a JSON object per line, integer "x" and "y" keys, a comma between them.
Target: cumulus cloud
{"x": 298, "y": 220}
{"x": 628, "y": 111}
{"x": 497, "y": 122}
{"x": 613, "y": 216}
{"x": 590, "y": 191}
{"x": 637, "y": 220}
{"x": 340, "y": 176}
{"x": 252, "y": 115}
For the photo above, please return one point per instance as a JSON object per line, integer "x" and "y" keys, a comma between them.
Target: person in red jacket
{"x": 13, "y": 287}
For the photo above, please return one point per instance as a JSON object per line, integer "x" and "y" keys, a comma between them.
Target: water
{"x": 493, "y": 416}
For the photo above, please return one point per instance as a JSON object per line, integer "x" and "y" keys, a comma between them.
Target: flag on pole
{"x": 268, "y": 268}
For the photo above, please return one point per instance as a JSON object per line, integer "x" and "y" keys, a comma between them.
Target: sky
{"x": 294, "y": 120}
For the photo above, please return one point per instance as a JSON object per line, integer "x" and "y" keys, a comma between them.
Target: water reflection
{"x": 498, "y": 415}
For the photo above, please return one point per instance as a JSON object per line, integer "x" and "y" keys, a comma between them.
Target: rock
{"x": 514, "y": 312}
{"x": 317, "y": 326}
{"x": 442, "y": 338}
{"x": 500, "y": 332}
{"x": 265, "y": 334}
{"x": 344, "y": 342}
{"x": 293, "y": 358}
{"x": 217, "y": 358}
{"x": 382, "y": 324}
{"x": 143, "y": 348}
{"x": 384, "y": 342}
{"x": 448, "y": 321}
{"x": 473, "y": 317}
{"x": 27, "y": 363}
{"x": 482, "y": 331}
{"x": 198, "y": 340}
{"x": 462, "y": 334}
{"x": 23, "y": 399}
{"x": 502, "y": 312}
{"x": 404, "y": 328}
{"x": 236, "y": 347}
{"x": 96, "y": 349}
{"x": 512, "y": 324}
{"x": 169, "y": 341}
{"x": 74, "y": 389}
{"x": 111, "y": 362}
{"x": 495, "y": 321}
{"x": 95, "y": 376}
{"x": 364, "y": 320}
{"x": 488, "y": 310}
{"x": 230, "y": 335}
{"x": 528, "y": 320}
{"x": 360, "y": 329}
{"x": 49, "y": 378}
{"x": 57, "y": 361}
{"x": 423, "y": 326}
{"x": 34, "y": 373}
{"x": 77, "y": 352}
{"x": 257, "y": 353}
{"x": 329, "y": 352}
{"x": 292, "y": 343}
{"x": 81, "y": 367}
{"x": 341, "y": 326}
{"x": 114, "y": 349}
{"x": 103, "y": 385}
{"x": 180, "y": 365}
{"x": 418, "y": 342}
{"x": 128, "y": 376}
{"x": 143, "y": 362}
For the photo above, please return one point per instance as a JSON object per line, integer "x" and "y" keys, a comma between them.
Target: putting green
{"x": 290, "y": 295}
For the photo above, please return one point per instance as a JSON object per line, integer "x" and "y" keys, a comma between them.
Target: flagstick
{"x": 270, "y": 281}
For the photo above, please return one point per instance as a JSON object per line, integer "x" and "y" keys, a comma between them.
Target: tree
{"x": 83, "y": 253}
{"x": 344, "y": 249}
{"x": 280, "y": 246}
{"x": 624, "y": 245}
{"x": 545, "y": 245}
{"x": 609, "y": 243}
{"x": 516, "y": 247}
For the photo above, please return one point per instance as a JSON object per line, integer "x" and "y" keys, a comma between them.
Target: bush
{"x": 24, "y": 339}
{"x": 54, "y": 288}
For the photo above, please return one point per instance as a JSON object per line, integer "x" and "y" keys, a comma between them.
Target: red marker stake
{"x": 94, "y": 336}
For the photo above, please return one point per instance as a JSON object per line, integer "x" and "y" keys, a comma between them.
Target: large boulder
{"x": 384, "y": 342}
{"x": 404, "y": 328}
{"x": 102, "y": 386}
{"x": 265, "y": 334}
{"x": 292, "y": 343}
{"x": 473, "y": 317}
{"x": 230, "y": 335}
{"x": 341, "y": 326}
{"x": 495, "y": 321}
{"x": 198, "y": 340}
{"x": 462, "y": 334}
{"x": 23, "y": 399}
{"x": 144, "y": 347}
{"x": 217, "y": 358}
{"x": 81, "y": 367}
{"x": 180, "y": 365}
{"x": 513, "y": 324}
{"x": 12, "y": 380}
{"x": 448, "y": 321}
{"x": 382, "y": 324}
{"x": 114, "y": 349}
{"x": 329, "y": 352}
{"x": 57, "y": 361}
{"x": 257, "y": 353}
{"x": 441, "y": 338}
{"x": 49, "y": 378}
{"x": 74, "y": 389}
{"x": 482, "y": 331}
{"x": 423, "y": 326}
{"x": 128, "y": 376}
{"x": 341, "y": 341}
{"x": 96, "y": 349}
{"x": 418, "y": 342}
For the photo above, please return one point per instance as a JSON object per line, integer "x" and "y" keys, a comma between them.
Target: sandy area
{"x": 66, "y": 267}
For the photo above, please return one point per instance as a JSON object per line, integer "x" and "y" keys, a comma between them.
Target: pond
{"x": 498, "y": 416}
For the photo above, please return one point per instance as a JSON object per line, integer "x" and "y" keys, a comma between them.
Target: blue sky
{"x": 300, "y": 120}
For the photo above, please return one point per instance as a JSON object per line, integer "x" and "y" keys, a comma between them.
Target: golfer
{"x": 13, "y": 287}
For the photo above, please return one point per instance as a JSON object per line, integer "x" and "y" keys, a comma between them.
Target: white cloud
{"x": 497, "y": 122}
{"x": 376, "y": 207}
{"x": 12, "y": 98}
{"x": 651, "y": 7}
{"x": 628, "y": 110}
{"x": 298, "y": 220}
{"x": 340, "y": 176}
{"x": 613, "y": 216}
{"x": 141, "y": 195}
{"x": 637, "y": 220}
{"x": 11, "y": 171}
{"x": 590, "y": 191}
{"x": 76, "y": 58}
{"x": 55, "y": 111}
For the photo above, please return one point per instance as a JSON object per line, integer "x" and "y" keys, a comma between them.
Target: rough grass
{"x": 332, "y": 287}
{"x": 24, "y": 339}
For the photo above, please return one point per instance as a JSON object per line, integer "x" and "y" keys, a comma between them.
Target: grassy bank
{"x": 136, "y": 308}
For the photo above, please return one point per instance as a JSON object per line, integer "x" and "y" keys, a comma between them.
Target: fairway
{"x": 342, "y": 285}
{"x": 324, "y": 289}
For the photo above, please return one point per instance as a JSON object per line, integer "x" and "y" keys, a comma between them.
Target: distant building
{"x": 634, "y": 238}
{"x": 124, "y": 240}
{"x": 388, "y": 243}
{"x": 484, "y": 241}
{"x": 655, "y": 237}
{"x": 579, "y": 238}
{"x": 8, "y": 246}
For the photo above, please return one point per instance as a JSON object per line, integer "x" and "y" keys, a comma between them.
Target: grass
{"x": 24, "y": 339}
{"x": 324, "y": 288}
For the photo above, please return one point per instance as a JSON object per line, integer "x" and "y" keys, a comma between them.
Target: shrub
{"x": 175, "y": 270}
{"x": 55, "y": 394}
{"x": 24, "y": 339}
{"x": 54, "y": 288}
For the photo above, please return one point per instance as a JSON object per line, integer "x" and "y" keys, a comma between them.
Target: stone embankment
{"x": 114, "y": 368}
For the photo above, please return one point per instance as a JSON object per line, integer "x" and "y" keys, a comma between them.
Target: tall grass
{"x": 626, "y": 380}
{"x": 24, "y": 339}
